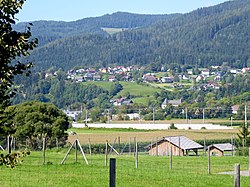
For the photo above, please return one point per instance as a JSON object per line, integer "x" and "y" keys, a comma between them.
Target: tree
{"x": 13, "y": 45}
{"x": 37, "y": 120}
{"x": 244, "y": 136}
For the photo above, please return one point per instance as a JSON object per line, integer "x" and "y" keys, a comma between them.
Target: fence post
{"x": 136, "y": 155}
{"x": 204, "y": 145}
{"x": 76, "y": 152}
{"x": 44, "y": 147}
{"x": 249, "y": 161}
{"x": 171, "y": 158}
{"x": 134, "y": 145}
{"x": 112, "y": 172}
{"x": 106, "y": 153}
{"x": 9, "y": 144}
{"x": 119, "y": 144}
{"x": 209, "y": 164}
{"x": 156, "y": 147}
{"x": 90, "y": 147}
{"x": 237, "y": 175}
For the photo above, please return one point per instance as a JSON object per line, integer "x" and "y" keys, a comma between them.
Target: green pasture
{"x": 132, "y": 88}
{"x": 113, "y": 30}
{"x": 152, "y": 171}
{"x": 137, "y": 89}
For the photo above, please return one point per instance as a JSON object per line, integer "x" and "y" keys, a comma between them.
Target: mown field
{"x": 152, "y": 171}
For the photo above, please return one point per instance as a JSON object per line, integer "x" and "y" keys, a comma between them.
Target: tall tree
{"x": 13, "y": 45}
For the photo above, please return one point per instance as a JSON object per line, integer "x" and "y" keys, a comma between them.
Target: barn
{"x": 180, "y": 146}
{"x": 221, "y": 149}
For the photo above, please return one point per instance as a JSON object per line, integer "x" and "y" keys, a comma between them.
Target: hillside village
{"x": 208, "y": 78}
{"x": 203, "y": 79}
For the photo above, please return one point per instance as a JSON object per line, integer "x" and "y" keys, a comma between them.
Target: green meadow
{"x": 141, "y": 93}
{"x": 152, "y": 171}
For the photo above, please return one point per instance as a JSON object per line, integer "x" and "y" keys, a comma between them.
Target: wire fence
{"x": 134, "y": 166}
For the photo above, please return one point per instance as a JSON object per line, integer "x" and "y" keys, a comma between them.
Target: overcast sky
{"x": 71, "y": 10}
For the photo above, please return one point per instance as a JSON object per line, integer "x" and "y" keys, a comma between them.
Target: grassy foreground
{"x": 152, "y": 171}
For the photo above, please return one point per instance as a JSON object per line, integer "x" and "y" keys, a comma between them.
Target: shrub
{"x": 172, "y": 126}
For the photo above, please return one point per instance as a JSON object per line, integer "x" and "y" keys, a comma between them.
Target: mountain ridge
{"x": 204, "y": 37}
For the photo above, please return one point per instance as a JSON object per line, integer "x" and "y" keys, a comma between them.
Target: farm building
{"x": 221, "y": 149}
{"x": 180, "y": 146}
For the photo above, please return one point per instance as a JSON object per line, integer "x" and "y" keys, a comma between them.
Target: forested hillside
{"x": 48, "y": 31}
{"x": 204, "y": 37}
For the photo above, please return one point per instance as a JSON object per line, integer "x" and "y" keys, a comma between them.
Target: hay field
{"x": 148, "y": 136}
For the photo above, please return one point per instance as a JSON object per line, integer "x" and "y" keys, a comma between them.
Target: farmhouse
{"x": 220, "y": 149}
{"x": 174, "y": 103}
{"x": 180, "y": 146}
{"x": 235, "y": 109}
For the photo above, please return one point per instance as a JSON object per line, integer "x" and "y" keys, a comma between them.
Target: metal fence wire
{"x": 134, "y": 166}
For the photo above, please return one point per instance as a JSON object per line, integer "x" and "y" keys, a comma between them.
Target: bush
{"x": 172, "y": 126}
{"x": 242, "y": 151}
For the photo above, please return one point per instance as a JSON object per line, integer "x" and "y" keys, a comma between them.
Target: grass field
{"x": 131, "y": 87}
{"x": 113, "y": 30}
{"x": 151, "y": 172}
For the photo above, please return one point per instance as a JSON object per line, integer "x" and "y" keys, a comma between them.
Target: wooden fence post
{"x": 204, "y": 146}
{"x": 249, "y": 161}
{"x": 136, "y": 155}
{"x": 171, "y": 158}
{"x": 119, "y": 144}
{"x": 90, "y": 147}
{"x": 106, "y": 153}
{"x": 156, "y": 147}
{"x": 76, "y": 152}
{"x": 44, "y": 148}
{"x": 9, "y": 144}
{"x": 129, "y": 146}
{"x": 209, "y": 164}
{"x": 112, "y": 172}
{"x": 237, "y": 175}
{"x": 134, "y": 144}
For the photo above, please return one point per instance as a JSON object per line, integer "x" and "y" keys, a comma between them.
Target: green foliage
{"x": 172, "y": 126}
{"x": 13, "y": 159}
{"x": 36, "y": 120}
{"x": 243, "y": 136}
{"x": 115, "y": 88}
{"x": 13, "y": 44}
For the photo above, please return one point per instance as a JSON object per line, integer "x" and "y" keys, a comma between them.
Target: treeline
{"x": 205, "y": 37}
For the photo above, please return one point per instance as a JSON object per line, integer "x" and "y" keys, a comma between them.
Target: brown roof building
{"x": 221, "y": 149}
{"x": 180, "y": 146}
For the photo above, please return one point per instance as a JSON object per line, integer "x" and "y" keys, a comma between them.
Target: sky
{"x": 72, "y": 10}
